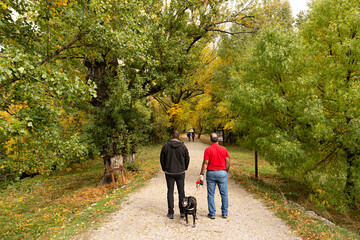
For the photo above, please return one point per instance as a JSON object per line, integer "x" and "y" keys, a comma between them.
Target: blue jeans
{"x": 219, "y": 178}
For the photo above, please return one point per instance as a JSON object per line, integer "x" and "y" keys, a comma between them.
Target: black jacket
{"x": 174, "y": 157}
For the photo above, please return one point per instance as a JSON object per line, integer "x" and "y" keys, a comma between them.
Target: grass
{"x": 66, "y": 203}
{"x": 276, "y": 191}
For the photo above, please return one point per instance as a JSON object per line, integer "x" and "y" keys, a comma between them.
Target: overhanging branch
{"x": 162, "y": 103}
{"x": 67, "y": 46}
{"x": 227, "y": 32}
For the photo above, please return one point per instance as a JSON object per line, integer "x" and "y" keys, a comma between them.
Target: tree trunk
{"x": 200, "y": 132}
{"x": 256, "y": 165}
{"x": 130, "y": 158}
{"x": 349, "y": 190}
{"x": 107, "y": 176}
{"x": 114, "y": 162}
{"x": 97, "y": 73}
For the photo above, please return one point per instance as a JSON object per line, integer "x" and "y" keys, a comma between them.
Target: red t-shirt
{"x": 216, "y": 155}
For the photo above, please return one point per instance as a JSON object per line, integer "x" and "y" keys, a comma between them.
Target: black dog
{"x": 189, "y": 204}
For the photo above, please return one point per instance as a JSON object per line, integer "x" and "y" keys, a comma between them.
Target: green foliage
{"x": 42, "y": 80}
{"x": 263, "y": 99}
{"x": 97, "y": 59}
{"x": 35, "y": 95}
{"x": 298, "y": 114}
{"x": 231, "y": 53}
{"x": 335, "y": 45}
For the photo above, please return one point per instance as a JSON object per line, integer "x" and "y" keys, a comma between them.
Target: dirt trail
{"x": 143, "y": 214}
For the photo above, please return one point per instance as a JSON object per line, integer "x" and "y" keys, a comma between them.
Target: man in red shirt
{"x": 217, "y": 163}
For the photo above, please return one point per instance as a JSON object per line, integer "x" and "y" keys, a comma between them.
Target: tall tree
{"x": 190, "y": 27}
{"x": 35, "y": 94}
{"x": 124, "y": 50}
{"x": 298, "y": 92}
{"x": 265, "y": 98}
{"x": 232, "y": 53}
{"x": 331, "y": 34}
{"x": 65, "y": 55}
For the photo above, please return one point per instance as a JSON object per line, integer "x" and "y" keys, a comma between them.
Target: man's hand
{"x": 227, "y": 163}
{"x": 201, "y": 177}
{"x": 200, "y": 181}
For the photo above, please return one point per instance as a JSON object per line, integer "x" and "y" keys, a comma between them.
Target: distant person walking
{"x": 174, "y": 160}
{"x": 216, "y": 164}
{"x": 189, "y": 136}
{"x": 193, "y": 136}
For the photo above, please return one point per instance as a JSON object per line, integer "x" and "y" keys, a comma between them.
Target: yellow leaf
{"x": 3, "y": 6}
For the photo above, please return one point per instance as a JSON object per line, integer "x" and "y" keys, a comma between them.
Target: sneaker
{"x": 211, "y": 216}
{"x": 170, "y": 215}
{"x": 224, "y": 216}
{"x": 182, "y": 215}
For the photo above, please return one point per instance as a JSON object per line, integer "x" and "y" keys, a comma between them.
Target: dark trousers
{"x": 180, "y": 183}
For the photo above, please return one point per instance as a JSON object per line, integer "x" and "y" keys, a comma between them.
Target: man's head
{"x": 214, "y": 138}
{"x": 175, "y": 135}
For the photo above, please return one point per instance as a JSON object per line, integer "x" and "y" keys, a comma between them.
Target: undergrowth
{"x": 68, "y": 202}
{"x": 289, "y": 199}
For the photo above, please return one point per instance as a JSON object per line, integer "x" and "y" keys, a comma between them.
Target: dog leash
{"x": 198, "y": 183}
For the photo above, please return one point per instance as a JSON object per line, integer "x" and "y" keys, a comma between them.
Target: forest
{"x": 85, "y": 79}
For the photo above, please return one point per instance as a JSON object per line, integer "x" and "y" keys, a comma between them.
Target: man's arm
{"x": 187, "y": 158}
{"x": 162, "y": 158}
{"x": 204, "y": 167}
{"x": 227, "y": 163}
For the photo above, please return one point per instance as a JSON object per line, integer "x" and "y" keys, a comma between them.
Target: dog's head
{"x": 185, "y": 202}
{"x": 188, "y": 201}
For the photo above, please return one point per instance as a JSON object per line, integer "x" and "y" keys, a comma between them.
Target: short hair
{"x": 175, "y": 134}
{"x": 214, "y": 137}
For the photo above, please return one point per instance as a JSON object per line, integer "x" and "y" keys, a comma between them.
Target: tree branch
{"x": 153, "y": 90}
{"x": 162, "y": 103}
{"x": 197, "y": 38}
{"x": 35, "y": 78}
{"x": 176, "y": 17}
{"x": 229, "y": 21}
{"x": 67, "y": 46}
{"x": 208, "y": 29}
{"x": 231, "y": 33}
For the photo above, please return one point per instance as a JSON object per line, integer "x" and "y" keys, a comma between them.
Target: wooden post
{"x": 256, "y": 166}
{"x": 112, "y": 170}
{"x": 223, "y": 134}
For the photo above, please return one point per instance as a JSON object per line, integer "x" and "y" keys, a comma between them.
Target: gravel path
{"x": 143, "y": 214}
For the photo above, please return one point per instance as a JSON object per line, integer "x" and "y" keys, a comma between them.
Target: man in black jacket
{"x": 174, "y": 159}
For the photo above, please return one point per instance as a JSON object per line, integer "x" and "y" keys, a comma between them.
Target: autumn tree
{"x": 60, "y": 57}
{"x": 37, "y": 97}
{"x": 231, "y": 53}
{"x": 100, "y": 57}
{"x": 191, "y": 27}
